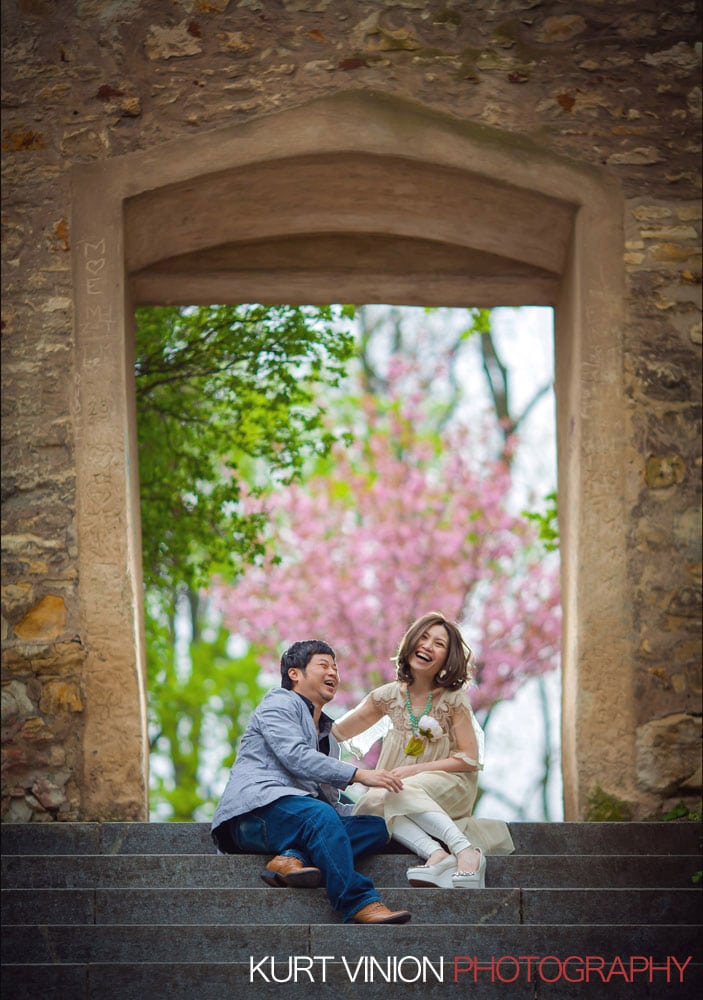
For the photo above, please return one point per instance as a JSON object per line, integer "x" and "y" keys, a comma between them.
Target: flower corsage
{"x": 428, "y": 731}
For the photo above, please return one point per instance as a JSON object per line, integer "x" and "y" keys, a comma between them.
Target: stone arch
{"x": 355, "y": 197}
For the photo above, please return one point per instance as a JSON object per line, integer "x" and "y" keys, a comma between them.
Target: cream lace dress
{"x": 451, "y": 792}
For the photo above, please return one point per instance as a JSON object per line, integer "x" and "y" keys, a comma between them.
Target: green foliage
{"x": 480, "y": 322}
{"x": 546, "y": 522}
{"x": 682, "y": 811}
{"x": 226, "y": 405}
{"x": 606, "y": 808}
{"x": 200, "y": 698}
{"x": 225, "y": 395}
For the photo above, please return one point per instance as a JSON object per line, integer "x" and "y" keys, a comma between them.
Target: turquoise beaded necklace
{"x": 414, "y": 719}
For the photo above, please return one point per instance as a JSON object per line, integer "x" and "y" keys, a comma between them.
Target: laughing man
{"x": 282, "y": 795}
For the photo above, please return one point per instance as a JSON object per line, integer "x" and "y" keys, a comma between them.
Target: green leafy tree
{"x": 226, "y": 395}
{"x": 200, "y": 698}
{"x": 546, "y": 522}
{"x": 229, "y": 401}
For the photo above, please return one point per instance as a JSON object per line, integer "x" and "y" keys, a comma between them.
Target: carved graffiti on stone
{"x": 95, "y": 261}
{"x": 98, "y": 322}
{"x": 95, "y": 326}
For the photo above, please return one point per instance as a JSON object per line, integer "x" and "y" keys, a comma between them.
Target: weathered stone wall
{"x": 615, "y": 85}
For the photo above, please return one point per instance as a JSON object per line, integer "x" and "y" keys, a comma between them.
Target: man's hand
{"x": 378, "y": 779}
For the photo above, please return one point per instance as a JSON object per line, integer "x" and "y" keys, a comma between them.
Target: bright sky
{"x": 515, "y": 739}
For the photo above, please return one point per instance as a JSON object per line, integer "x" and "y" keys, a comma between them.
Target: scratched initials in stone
{"x": 99, "y": 408}
{"x": 98, "y": 320}
{"x": 95, "y": 260}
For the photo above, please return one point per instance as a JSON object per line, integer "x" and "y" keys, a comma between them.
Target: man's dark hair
{"x": 299, "y": 655}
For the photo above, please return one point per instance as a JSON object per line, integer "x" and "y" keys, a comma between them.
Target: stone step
{"x": 288, "y": 906}
{"x": 387, "y": 870}
{"x": 136, "y": 943}
{"x": 149, "y": 911}
{"x": 545, "y": 980}
{"x": 194, "y": 838}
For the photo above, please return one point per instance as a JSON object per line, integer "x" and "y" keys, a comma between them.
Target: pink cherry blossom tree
{"x": 402, "y": 521}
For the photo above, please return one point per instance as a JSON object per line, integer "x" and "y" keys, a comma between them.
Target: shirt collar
{"x": 325, "y": 723}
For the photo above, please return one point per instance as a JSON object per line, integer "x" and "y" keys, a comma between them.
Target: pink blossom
{"x": 404, "y": 523}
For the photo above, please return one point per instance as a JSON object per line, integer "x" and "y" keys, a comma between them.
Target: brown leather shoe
{"x": 378, "y": 913}
{"x": 286, "y": 871}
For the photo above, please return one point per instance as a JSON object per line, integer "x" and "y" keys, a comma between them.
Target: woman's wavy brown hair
{"x": 458, "y": 666}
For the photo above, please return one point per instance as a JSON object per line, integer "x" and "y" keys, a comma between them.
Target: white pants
{"x": 421, "y": 832}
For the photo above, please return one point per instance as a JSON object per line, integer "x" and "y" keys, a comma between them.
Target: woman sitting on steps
{"x": 434, "y": 744}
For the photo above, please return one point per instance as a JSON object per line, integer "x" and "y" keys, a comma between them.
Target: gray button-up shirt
{"x": 278, "y": 756}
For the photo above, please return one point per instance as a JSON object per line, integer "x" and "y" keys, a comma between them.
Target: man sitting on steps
{"x": 282, "y": 795}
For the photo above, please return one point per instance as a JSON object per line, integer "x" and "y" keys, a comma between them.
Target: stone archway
{"x": 362, "y": 198}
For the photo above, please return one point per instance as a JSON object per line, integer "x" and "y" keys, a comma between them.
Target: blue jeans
{"x": 311, "y": 830}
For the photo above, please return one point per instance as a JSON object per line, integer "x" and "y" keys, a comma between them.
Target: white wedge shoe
{"x": 437, "y": 876}
{"x": 471, "y": 880}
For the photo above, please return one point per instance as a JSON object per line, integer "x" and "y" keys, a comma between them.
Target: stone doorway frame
{"x": 356, "y": 198}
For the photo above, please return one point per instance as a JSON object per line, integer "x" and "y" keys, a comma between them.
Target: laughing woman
{"x": 434, "y": 744}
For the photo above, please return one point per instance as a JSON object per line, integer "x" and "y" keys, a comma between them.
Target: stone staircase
{"x": 140, "y": 911}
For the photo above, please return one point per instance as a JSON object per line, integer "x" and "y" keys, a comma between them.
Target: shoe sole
{"x": 296, "y": 880}
{"x": 419, "y": 883}
{"x": 402, "y": 918}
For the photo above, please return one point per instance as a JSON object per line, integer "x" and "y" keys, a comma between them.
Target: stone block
{"x": 664, "y": 470}
{"x": 171, "y": 43}
{"x": 46, "y": 620}
{"x": 668, "y": 752}
{"x": 60, "y": 696}
{"x": 16, "y": 701}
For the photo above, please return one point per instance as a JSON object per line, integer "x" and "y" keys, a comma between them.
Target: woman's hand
{"x": 407, "y": 770}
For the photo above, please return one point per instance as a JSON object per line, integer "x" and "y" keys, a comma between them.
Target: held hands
{"x": 406, "y": 770}
{"x": 390, "y": 780}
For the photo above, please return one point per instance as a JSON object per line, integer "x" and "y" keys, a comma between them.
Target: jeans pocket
{"x": 250, "y": 834}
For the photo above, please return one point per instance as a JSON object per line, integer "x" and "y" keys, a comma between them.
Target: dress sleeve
{"x": 462, "y": 717}
{"x": 360, "y": 744}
